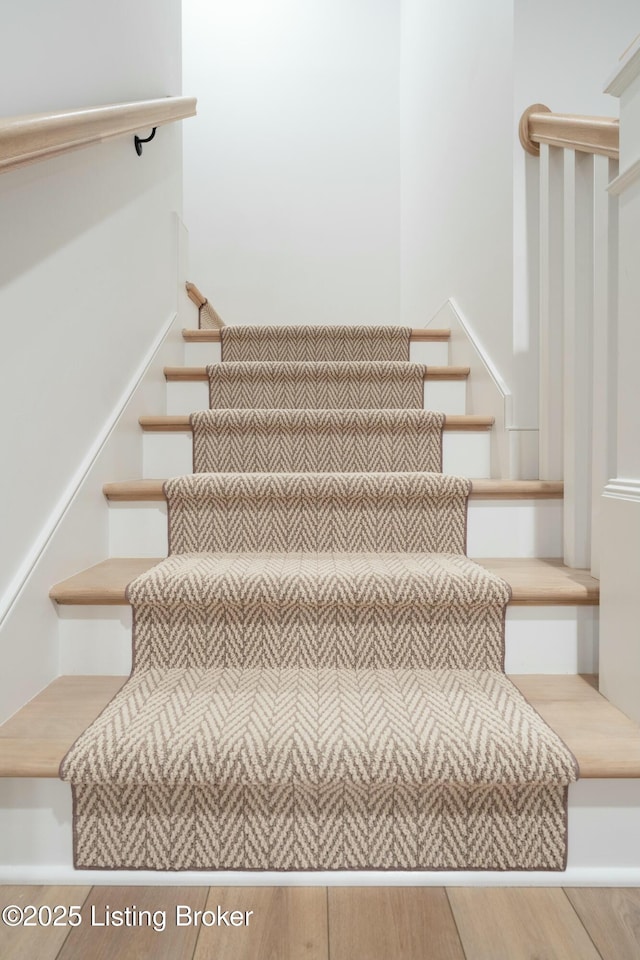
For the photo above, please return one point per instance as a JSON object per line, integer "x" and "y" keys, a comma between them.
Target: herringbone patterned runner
{"x": 274, "y": 441}
{"x": 347, "y": 610}
{"x": 318, "y": 668}
{"x": 299, "y": 769}
{"x": 317, "y": 385}
{"x": 320, "y": 512}
{"x": 296, "y": 343}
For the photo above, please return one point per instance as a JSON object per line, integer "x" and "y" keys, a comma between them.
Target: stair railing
{"x": 25, "y": 139}
{"x": 577, "y": 231}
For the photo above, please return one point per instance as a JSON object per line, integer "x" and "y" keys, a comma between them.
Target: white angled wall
{"x": 88, "y": 274}
{"x": 456, "y": 93}
{"x": 292, "y": 170}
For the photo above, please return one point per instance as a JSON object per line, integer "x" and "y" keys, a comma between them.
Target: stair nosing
{"x": 418, "y": 334}
{"x": 150, "y": 490}
{"x": 199, "y": 374}
{"x": 104, "y": 584}
{"x": 181, "y": 423}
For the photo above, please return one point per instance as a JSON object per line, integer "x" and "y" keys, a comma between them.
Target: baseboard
{"x": 514, "y": 449}
{"x": 571, "y": 877}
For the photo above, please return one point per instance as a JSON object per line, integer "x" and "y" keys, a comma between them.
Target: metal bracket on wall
{"x": 138, "y": 141}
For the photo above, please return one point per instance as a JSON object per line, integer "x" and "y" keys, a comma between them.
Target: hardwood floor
{"x": 316, "y": 923}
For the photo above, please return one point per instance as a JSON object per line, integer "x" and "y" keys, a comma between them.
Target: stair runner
{"x": 318, "y": 678}
{"x": 281, "y": 441}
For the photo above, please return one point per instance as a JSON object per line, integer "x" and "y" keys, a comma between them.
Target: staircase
{"x": 514, "y": 530}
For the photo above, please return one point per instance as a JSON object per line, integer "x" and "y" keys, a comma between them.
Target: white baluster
{"x": 551, "y": 311}
{"x": 605, "y": 289}
{"x": 578, "y": 346}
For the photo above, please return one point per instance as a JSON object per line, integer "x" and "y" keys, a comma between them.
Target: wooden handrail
{"x": 586, "y": 134}
{"x": 206, "y": 312}
{"x": 194, "y": 295}
{"x": 24, "y": 139}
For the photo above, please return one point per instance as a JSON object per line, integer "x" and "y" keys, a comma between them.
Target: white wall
{"x": 292, "y": 170}
{"x": 564, "y": 52}
{"x": 88, "y": 271}
{"x": 359, "y": 160}
{"x": 456, "y": 89}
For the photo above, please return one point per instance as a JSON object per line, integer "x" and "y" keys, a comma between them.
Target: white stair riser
{"x": 547, "y": 639}
{"x": 434, "y": 353}
{"x": 514, "y": 528}
{"x": 465, "y": 453}
{"x": 201, "y": 354}
{"x": 95, "y": 640}
{"x": 510, "y": 528}
{"x": 166, "y": 454}
{"x": 551, "y": 639}
{"x": 604, "y": 847}
{"x": 186, "y": 396}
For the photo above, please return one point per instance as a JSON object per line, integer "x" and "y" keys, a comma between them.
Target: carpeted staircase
{"x": 318, "y": 673}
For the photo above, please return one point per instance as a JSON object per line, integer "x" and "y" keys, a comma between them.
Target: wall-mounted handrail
{"x": 24, "y": 139}
{"x": 195, "y": 295}
{"x": 538, "y": 125}
{"x": 208, "y": 317}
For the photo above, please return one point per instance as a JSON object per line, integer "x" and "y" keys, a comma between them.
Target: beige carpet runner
{"x": 318, "y": 670}
{"x": 299, "y": 343}
{"x": 371, "y": 384}
{"x": 277, "y": 441}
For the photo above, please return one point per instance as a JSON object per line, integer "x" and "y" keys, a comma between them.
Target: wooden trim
{"x": 418, "y": 335}
{"x": 196, "y": 374}
{"x": 517, "y": 489}
{"x": 182, "y": 423}
{"x": 130, "y": 491}
{"x": 134, "y": 491}
{"x": 586, "y": 134}
{"x": 523, "y": 128}
{"x": 194, "y": 295}
{"x": 25, "y": 139}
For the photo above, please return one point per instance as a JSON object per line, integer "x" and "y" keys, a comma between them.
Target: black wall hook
{"x": 138, "y": 141}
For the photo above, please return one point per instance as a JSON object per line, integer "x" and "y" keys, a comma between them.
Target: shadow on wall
{"x": 48, "y": 204}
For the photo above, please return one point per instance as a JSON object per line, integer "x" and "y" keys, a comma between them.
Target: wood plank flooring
{"x": 338, "y": 923}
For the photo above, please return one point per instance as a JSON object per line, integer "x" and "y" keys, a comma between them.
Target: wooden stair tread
{"x": 181, "y": 423}
{"x": 605, "y": 742}
{"x": 213, "y": 336}
{"x": 544, "y": 581}
{"x": 533, "y": 581}
{"x": 145, "y": 490}
{"x": 104, "y": 583}
{"x": 35, "y": 739}
{"x": 191, "y": 374}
